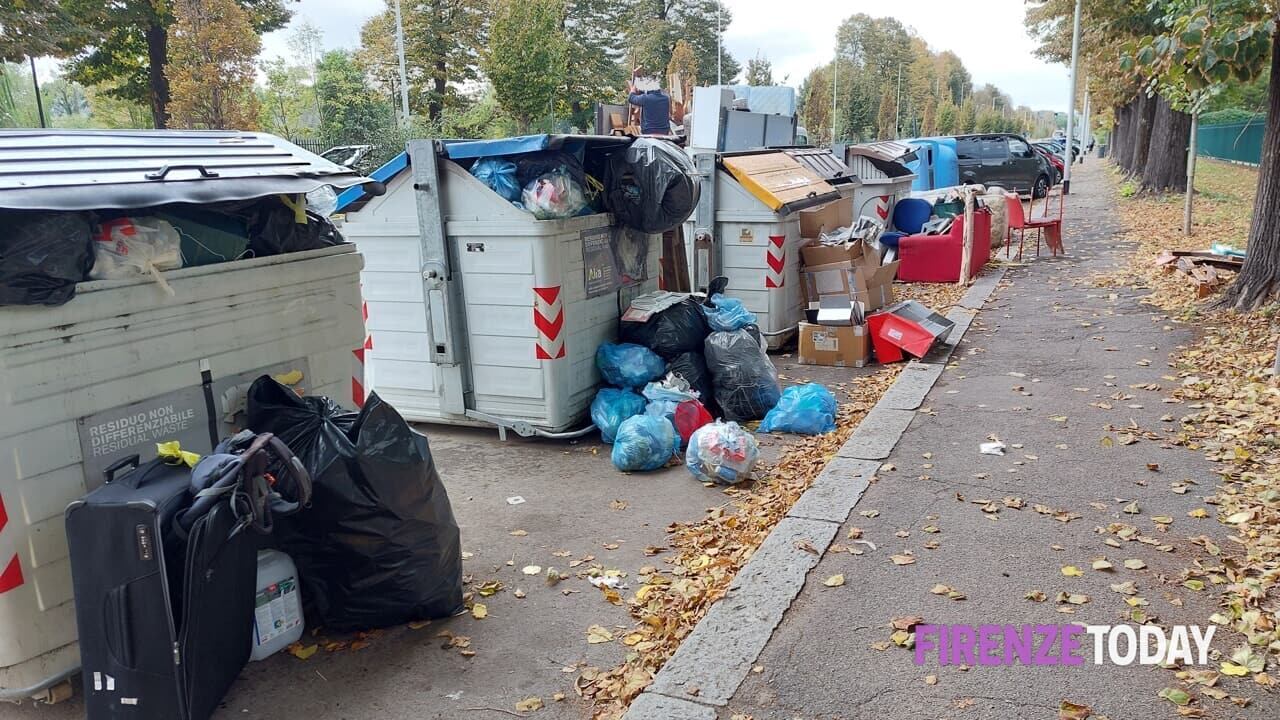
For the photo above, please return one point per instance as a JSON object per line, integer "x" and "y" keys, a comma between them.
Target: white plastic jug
{"x": 277, "y": 613}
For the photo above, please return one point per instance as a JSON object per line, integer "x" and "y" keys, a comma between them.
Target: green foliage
{"x": 526, "y": 58}
{"x": 33, "y": 28}
{"x": 759, "y": 71}
{"x": 651, "y": 28}
{"x": 947, "y": 117}
{"x": 1128, "y": 190}
{"x": 1231, "y": 116}
{"x": 284, "y": 100}
{"x": 212, "y": 48}
{"x": 351, "y": 113}
{"x": 17, "y": 97}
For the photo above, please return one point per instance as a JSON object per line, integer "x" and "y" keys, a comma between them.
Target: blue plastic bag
{"x": 721, "y": 452}
{"x": 611, "y": 407}
{"x": 728, "y": 314}
{"x": 665, "y": 409}
{"x": 628, "y": 365}
{"x": 643, "y": 443}
{"x": 499, "y": 175}
{"x": 805, "y": 409}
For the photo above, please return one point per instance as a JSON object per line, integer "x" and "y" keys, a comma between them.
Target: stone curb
{"x": 715, "y": 658}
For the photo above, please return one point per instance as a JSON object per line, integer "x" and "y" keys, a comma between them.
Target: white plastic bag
{"x": 133, "y": 246}
{"x": 553, "y": 196}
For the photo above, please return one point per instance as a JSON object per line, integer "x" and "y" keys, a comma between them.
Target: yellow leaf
{"x": 1162, "y": 519}
{"x": 519, "y": 533}
{"x": 1134, "y": 564}
{"x": 902, "y": 559}
{"x": 479, "y": 611}
{"x": 419, "y": 624}
{"x": 1072, "y": 571}
{"x": 1230, "y": 668}
{"x": 529, "y": 704}
{"x": 1198, "y": 513}
{"x": 302, "y": 653}
{"x": 930, "y": 679}
{"x": 597, "y": 634}
{"x": 631, "y": 639}
{"x": 834, "y": 581}
{"x": 1102, "y": 564}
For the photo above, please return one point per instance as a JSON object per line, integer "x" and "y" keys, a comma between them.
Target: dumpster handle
{"x": 163, "y": 171}
{"x": 793, "y": 328}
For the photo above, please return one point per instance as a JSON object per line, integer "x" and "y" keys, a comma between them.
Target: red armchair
{"x": 936, "y": 258}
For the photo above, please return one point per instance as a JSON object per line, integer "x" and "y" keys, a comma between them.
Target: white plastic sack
{"x": 133, "y": 246}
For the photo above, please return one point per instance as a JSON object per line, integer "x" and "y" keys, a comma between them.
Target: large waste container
{"x": 755, "y": 200}
{"x": 481, "y": 314}
{"x": 118, "y": 368}
{"x": 882, "y": 168}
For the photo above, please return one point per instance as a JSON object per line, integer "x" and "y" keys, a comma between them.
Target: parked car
{"x": 1003, "y": 159}
{"x": 1046, "y": 151}
{"x": 1056, "y": 146}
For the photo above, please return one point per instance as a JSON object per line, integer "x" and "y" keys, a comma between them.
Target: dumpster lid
{"x": 463, "y": 149}
{"x": 824, "y": 164}
{"x": 884, "y": 151}
{"x": 101, "y": 169}
{"x": 778, "y": 180}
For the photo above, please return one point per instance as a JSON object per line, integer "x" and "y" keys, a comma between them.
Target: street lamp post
{"x": 404, "y": 75}
{"x": 1071, "y": 103}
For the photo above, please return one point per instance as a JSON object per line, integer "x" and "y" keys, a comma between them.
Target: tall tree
{"x": 33, "y": 28}
{"x": 594, "y": 59}
{"x": 967, "y": 118}
{"x": 353, "y": 112}
{"x": 285, "y": 99}
{"x": 887, "y": 119}
{"x": 815, "y": 103}
{"x": 947, "y": 118}
{"x": 126, "y": 46}
{"x": 212, "y": 48}
{"x": 759, "y": 71}
{"x": 651, "y": 28}
{"x": 929, "y": 119}
{"x": 443, "y": 40}
{"x": 526, "y": 57}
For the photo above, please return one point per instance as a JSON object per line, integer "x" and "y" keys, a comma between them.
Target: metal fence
{"x": 311, "y": 144}
{"x": 1237, "y": 142}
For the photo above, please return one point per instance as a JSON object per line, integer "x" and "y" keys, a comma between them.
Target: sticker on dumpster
{"x": 597, "y": 257}
{"x": 134, "y": 429}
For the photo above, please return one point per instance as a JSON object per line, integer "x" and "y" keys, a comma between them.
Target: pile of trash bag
{"x": 43, "y": 256}
{"x": 678, "y": 329}
{"x": 651, "y": 186}
{"x": 803, "y": 409}
{"x": 644, "y": 443}
{"x": 499, "y": 175}
{"x": 628, "y": 365}
{"x": 554, "y": 196}
{"x": 379, "y": 545}
{"x": 746, "y": 384}
{"x": 131, "y": 246}
{"x": 692, "y": 368}
{"x": 726, "y": 314}
{"x": 611, "y": 407}
{"x": 722, "y": 452}
{"x": 689, "y": 416}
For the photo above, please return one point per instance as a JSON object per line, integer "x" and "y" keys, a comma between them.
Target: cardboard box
{"x": 847, "y": 346}
{"x": 868, "y": 283}
{"x": 826, "y": 218}
{"x": 816, "y": 253}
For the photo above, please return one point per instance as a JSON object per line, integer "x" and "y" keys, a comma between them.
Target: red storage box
{"x": 907, "y": 326}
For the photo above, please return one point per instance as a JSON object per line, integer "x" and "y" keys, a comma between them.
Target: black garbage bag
{"x": 276, "y": 230}
{"x": 746, "y": 385}
{"x": 652, "y": 186}
{"x": 43, "y": 255}
{"x": 680, "y": 328}
{"x": 379, "y": 545}
{"x": 692, "y": 366}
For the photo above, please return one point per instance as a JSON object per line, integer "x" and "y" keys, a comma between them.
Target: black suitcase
{"x": 165, "y": 617}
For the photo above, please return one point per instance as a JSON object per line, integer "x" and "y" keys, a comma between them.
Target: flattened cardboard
{"x": 818, "y": 254}
{"x": 847, "y": 346}
{"x": 775, "y": 179}
{"x": 826, "y": 218}
{"x": 871, "y": 285}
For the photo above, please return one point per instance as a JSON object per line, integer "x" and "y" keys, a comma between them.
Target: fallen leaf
{"x": 905, "y": 622}
{"x": 902, "y": 559}
{"x": 1162, "y": 519}
{"x": 302, "y": 653}
{"x": 1175, "y": 696}
{"x": 1102, "y": 564}
{"x": 1072, "y": 571}
{"x": 479, "y": 611}
{"x": 1068, "y": 710}
{"x": 807, "y": 546}
{"x": 1193, "y": 584}
{"x": 519, "y": 533}
{"x": 1153, "y": 467}
{"x": 834, "y": 581}
{"x": 1198, "y": 513}
{"x": 1230, "y": 668}
{"x": 618, "y": 505}
{"x": 596, "y": 634}
{"x": 855, "y": 533}
{"x": 1134, "y": 564}
{"x": 1034, "y": 596}
{"x": 1132, "y": 509}
{"x": 1125, "y": 588}
{"x": 532, "y": 570}
{"x": 930, "y": 679}
{"x": 529, "y": 704}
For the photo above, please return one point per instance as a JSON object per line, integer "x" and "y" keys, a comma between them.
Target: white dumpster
{"x": 119, "y": 367}
{"x": 884, "y": 177}
{"x": 757, "y": 198}
{"x": 479, "y": 313}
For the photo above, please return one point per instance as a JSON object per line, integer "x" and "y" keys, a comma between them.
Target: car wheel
{"x": 1041, "y": 188}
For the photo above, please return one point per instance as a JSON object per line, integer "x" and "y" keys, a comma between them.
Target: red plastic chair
{"x": 1045, "y": 226}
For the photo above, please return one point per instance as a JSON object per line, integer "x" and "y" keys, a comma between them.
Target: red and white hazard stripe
{"x": 11, "y": 569}
{"x": 882, "y": 209}
{"x": 775, "y": 274}
{"x": 358, "y": 389}
{"x": 548, "y": 318}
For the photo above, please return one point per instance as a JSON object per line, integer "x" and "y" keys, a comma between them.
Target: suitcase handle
{"x": 130, "y": 462}
{"x": 119, "y": 631}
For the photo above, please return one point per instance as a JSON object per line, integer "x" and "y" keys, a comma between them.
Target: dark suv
{"x": 1003, "y": 159}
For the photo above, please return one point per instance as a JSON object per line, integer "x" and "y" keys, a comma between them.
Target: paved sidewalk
{"x": 1038, "y": 369}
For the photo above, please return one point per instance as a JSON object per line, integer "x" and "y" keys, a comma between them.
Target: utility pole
{"x": 36, "y": 82}
{"x": 404, "y": 75}
{"x": 897, "y": 118}
{"x": 835, "y": 90}
{"x": 719, "y": 46}
{"x": 1087, "y": 131}
{"x": 1071, "y": 102}
{"x": 1191, "y": 174}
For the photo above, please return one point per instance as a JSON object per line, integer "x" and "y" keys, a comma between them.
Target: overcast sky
{"x": 797, "y": 35}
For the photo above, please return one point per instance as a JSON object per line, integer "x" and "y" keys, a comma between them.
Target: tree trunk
{"x": 157, "y": 54}
{"x": 1116, "y": 144}
{"x": 435, "y": 108}
{"x": 1166, "y": 167}
{"x": 1124, "y": 158}
{"x": 1259, "y": 279}
{"x": 1143, "y": 126}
